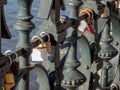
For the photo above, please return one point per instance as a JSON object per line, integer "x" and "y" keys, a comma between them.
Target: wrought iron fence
{"x": 82, "y": 48}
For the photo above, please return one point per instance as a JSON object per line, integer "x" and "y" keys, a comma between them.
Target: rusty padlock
{"x": 9, "y": 78}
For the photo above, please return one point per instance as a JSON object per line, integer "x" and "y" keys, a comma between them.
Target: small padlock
{"x": 40, "y": 52}
{"x": 82, "y": 26}
{"x": 41, "y": 46}
{"x": 90, "y": 28}
{"x": 47, "y": 43}
{"x": 9, "y": 78}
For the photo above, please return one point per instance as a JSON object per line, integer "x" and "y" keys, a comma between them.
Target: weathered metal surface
{"x": 45, "y": 8}
{"x": 87, "y": 62}
{"x": 86, "y": 66}
{"x": 4, "y": 29}
{"x": 106, "y": 53}
{"x": 24, "y": 27}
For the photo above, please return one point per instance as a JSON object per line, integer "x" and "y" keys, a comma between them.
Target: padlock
{"x": 90, "y": 28}
{"x": 8, "y": 86}
{"x": 9, "y": 78}
{"x": 82, "y": 26}
{"x": 47, "y": 43}
{"x": 40, "y": 52}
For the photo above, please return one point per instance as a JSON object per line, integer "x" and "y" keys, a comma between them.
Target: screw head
{"x": 116, "y": 43}
{"x": 86, "y": 67}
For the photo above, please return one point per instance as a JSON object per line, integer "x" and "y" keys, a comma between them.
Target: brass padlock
{"x": 47, "y": 43}
{"x": 9, "y": 81}
{"x": 8, "y": 86}
{"x": 9, "y": 78}
{"x": 42, "y": 45}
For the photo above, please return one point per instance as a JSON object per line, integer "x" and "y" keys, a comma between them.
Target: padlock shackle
{"x": 38, "y": 38}
{"x": 43, "y": 34}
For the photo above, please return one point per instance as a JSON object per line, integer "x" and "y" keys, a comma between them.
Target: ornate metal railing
{"x": 83, "y": 47}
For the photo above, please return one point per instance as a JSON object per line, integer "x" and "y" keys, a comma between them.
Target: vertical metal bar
{"x": 104, "y": 76}
{"x": 0, "y": 28}
{"x": 24, "y": 27}
{"x": 0, "y": 42}
{"x": 57, "y": 10}
{"x": 57, "y": 51}
{"x": 72, "y": 77}
{"x": 106, "y": 53}
{"x": 74, "y": 10}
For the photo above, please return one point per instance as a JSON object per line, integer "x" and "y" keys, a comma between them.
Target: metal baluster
{"x": 50, "y": 26}
{"x": 0, "y": 40}
{"x": 0, "y": 25}
{"x": 106, "y": 53}
{"x": 72, "y": 77}
{"x": 74, "y": 12}
{"x": 24, "y": 27}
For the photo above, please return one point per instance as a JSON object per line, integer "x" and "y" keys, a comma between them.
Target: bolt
{"x": 116, "y": 43}
{"x": 86, "y": 67}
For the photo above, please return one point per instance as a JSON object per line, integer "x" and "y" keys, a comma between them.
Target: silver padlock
{"x": 82, "y": 26}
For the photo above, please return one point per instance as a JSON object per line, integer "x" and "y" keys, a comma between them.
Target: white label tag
{"x": 39, "y": 54}
{"x": 82, "y": 26}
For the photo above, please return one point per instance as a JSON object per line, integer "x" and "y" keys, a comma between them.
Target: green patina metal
{"x": 24, "y": 27}
{"x": 77, "y": 61}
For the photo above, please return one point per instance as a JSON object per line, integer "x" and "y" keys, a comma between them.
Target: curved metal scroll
{"x": 4, "y": 29}
{"x": 85, "y": 59}
{"x": 116, "y": 43}
{"x": 42, "y": 76}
